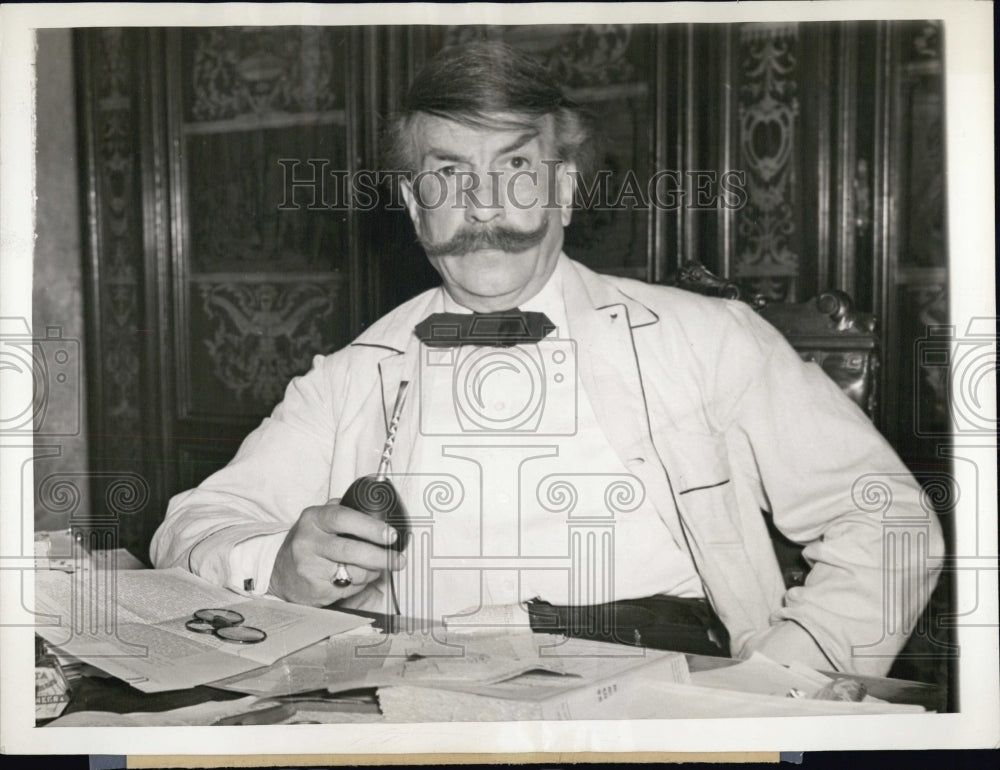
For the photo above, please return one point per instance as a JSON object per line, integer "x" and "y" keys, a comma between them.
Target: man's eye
{"x": 519, "y": 162}
{"x": 447, "y": 171}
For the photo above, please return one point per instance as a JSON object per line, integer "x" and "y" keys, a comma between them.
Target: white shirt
{"x": 536, "y": 502}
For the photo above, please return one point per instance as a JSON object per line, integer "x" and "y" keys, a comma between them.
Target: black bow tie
{"x": 502, "y": 329}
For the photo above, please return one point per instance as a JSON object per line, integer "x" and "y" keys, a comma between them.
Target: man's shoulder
{"x": 678, "y": 307}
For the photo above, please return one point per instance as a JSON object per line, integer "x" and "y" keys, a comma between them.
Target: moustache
{"x": 485, "y": 237}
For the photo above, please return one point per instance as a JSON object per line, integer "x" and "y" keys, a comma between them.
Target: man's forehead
{"x": 492, "y": 131}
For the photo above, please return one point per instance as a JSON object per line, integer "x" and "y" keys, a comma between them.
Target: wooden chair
{"x": 827, "y": 330}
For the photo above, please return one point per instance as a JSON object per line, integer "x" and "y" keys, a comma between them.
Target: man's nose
{"x": 480, "y": 196}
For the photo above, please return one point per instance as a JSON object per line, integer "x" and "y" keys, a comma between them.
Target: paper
{"x": 51, "y": 692}
{"x": 141, "y": 637}
{"x": 54, "y": 550}
{"x": 759, "y": 674}
{"x": 537, "y": 694}
{"x": 474, "y": 659}
{"x": 334, "y": 662}
{"x": 653, "y": 699}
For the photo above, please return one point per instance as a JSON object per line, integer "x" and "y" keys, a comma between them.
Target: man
{"x": 695, "y": 412}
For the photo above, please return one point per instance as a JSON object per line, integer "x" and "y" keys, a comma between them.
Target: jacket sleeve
{"x": 228, "y": 530}
{"x": 835, "y": 485}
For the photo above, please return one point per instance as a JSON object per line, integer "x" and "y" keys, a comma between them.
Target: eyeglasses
{"x": 226, "y": 625}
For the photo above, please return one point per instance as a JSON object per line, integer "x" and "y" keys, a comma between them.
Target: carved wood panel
{"x": 112, "y": 85}
{"x": 248, "y": 208}
{"x": 266, "y": 264}
{"x": 205, "y": 295}
{"x": 768, "y": 228}
{"x": 251, "y": 336}
{"x": 251, "y": 71}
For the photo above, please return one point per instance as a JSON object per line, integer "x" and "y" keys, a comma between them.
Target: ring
{"x": 341, "y": 578}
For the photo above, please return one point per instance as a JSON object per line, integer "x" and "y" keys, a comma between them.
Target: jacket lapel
{"x": 603, "y": 320}
{"x": 401, "y": 362}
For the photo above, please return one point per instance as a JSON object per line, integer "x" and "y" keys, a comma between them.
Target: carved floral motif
{"x": 579, "y": 55}
{"x": 121, "y": 247}
{"x": 250, "y": 70}
{"x": 265, "y": 333}
{"x": 768, "y": 122}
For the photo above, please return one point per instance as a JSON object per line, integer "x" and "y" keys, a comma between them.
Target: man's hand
{"x": 324, "y": 538}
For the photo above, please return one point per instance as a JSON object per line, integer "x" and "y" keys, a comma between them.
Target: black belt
{"x": 660, "y": 622}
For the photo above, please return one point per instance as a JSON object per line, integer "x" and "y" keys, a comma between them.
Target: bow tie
{"x": 502, "y": 329}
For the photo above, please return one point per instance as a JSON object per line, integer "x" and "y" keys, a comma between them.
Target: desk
{"x": 112, "y": 695}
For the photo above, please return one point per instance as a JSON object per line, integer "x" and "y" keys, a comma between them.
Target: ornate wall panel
{"x": 246, "y": 214}
{"x": 768, "y": 228}
{"x": 211, "y": 280}
{"x": 265, "y": 271}
{"x": 120, "y": 233}
{"x": 249, "y": 71}
{"x": 252, "y": 336}
{"x": 112, "y": 84}
{"x": 923, "y": 242}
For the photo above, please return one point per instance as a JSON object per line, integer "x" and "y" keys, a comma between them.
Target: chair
{"x": 826, "y": 330}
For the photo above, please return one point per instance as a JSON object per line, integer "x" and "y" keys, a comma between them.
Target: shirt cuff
{"x": 251, "y": 563}
{"x": 788, "y": 642}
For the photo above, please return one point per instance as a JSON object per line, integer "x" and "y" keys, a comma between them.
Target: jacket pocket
{"x": 704, "y": 489}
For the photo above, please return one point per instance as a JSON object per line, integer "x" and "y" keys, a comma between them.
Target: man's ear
{"x": 410, "y": 200}
{"x": 566, "y": 175}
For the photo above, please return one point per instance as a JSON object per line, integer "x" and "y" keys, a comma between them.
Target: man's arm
{"x": 265, "y": 523}
{"x": 228, "y": 530}
{"x": 835, "y": 485}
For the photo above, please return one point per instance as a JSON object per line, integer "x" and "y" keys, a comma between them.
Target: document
{"x": 588, "y": 683}
{"x": 759, "y": 674}
{"x": 132, "y": 625}
{"x": 333, "y": 662}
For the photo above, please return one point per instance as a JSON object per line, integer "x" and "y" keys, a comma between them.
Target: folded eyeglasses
{"x": 226, "y": 625}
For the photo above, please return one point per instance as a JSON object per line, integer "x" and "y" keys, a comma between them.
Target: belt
{"x": 660, "y": 622}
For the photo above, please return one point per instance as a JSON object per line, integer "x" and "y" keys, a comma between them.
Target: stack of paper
{"x": 133, "y": 627}
{"x": 521, "y": 677}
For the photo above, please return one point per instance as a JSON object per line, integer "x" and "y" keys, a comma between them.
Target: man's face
{"x": 489, "y": 206}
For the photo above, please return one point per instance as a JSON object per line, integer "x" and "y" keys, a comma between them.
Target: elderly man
{"x": 662, "y": 420}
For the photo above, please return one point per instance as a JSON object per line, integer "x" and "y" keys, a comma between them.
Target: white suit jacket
{"x": 726, "y": 417}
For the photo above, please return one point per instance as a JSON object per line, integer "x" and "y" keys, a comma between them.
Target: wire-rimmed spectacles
{"x": 226, "y": 625}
